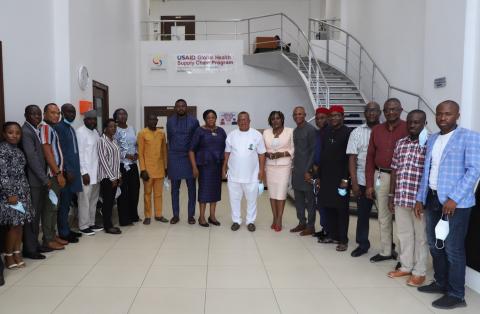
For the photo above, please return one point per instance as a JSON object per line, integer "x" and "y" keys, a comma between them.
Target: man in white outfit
{"x": 244, "y": 166}
{"x": 87, "y": 137}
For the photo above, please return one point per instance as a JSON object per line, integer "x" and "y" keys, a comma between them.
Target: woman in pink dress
{"x": 279, "y": 145}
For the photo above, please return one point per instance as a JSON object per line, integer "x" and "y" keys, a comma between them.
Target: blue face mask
{"x": 19, "y": 207}
{"x": 342, "y": 192}
{"x": 261, "y": 188}
{"x": 67, "y": 122}
{"x": 53, "y": 197}
{"x": 422, "y": 137}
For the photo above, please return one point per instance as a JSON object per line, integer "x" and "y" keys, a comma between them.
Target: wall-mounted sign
{"x": 204, "y": 62}
{"x": 158, "y": 62}
{"x": 228, "y": 118}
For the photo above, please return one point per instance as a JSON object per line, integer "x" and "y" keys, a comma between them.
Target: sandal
{"x": 214, "y": 222}
{"x": 10, "y": 264}
{"x": 341, "y": 247}
{"x": 18, "y": 259}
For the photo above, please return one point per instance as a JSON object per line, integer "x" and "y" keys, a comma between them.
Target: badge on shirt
{"x": 251, "y": 147}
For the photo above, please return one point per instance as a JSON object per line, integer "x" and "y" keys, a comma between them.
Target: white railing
{"x": 247, "y": 30}
{"x": 343, "y": 51}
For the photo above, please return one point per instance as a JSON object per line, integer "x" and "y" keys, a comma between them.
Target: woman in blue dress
{"x": 206, "y": 156}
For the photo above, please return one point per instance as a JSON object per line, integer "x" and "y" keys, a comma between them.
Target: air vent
{"x": 440, "y": 82}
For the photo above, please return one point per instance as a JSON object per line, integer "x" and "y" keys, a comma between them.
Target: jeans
{"x": 449, "y": 263}
{"x": 192, "y": 196}
{"x": 364, "y": 207}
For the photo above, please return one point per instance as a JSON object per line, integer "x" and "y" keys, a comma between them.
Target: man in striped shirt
{"x": 357, "y": 157}
{"x": 54, "y": 157}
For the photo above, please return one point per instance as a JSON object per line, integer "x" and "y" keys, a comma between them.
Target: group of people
{"x": 425, "y": 180}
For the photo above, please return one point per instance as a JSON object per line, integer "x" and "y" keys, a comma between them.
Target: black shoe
{"x": 174, "y": 220}
{"x": 327, "y": 241}
{"x": 358, "y": 252}
{"x": 251, "y": 227}
{"x": 76, "y": 234}
{"x": 320, "y": 234}
{"x": 214, "y": 222}
{"x": 146, "y": 221}
{"x": 35, "y": 255}
{"x": 191, "y": 220}
{"x": 136, "y": 219}
{"x": 2, "y": 280}
{"x": 380, "y": 258}
{"x": 448, "y": 302}
{"x": 161, "y": 219}
{"x": 432, "y": 288}
{"x": 96, "y": 228}
{"x": 126, "y": 224}
{"x": 113, "y": 230}
{"x": 205, "y": 224}
{"x": 235, "y": 226}
{"x": 398, "y": 265}
{"x": 44, "y": 249}
{"x": 70, "y": 238}
{"x": 87, "y": 231}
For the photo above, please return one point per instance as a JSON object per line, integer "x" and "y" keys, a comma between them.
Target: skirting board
{"x": 472, "y": 279}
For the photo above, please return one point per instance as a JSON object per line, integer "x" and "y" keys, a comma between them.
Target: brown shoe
{"x": 415, "y": 281}
{"x": 54, "y": 245}
{"x": 61, "y": 241}
{"x": 398, "y": 273}
{"x": 298, "y": 228}
{"x": 307, "y": 231}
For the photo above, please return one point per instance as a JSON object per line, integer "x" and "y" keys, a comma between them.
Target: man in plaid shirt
{"x": 407, "y": 170}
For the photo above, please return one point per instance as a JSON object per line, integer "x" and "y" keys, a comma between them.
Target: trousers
{"x": 364, "y": 208}
{"x": 154, "y": 185}
{"x": 31, "y": 230}
{"x": 87, "y": 205}
{"x": 128, "y": 200}
{"x": 49, "y": 215}
{"x": 385, "y": 217}
{"x": 192, "y": 195}
{"x": 413, "y": 241}
{"x": 108, "y": 194}
{"x": 449, "y": 263}
{"x": 305, "y": 200}
{"x": 236, "y": 191}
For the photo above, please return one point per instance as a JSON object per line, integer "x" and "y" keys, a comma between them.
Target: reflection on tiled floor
{"x": 168, "y": 269}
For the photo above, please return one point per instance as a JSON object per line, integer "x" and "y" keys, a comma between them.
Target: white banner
{"x": 204, "y": 62}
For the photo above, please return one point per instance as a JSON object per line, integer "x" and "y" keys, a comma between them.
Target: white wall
{"x": 443, "y": 52}
{"x": 255, "y": 90}
{"x": 28, "y": 54}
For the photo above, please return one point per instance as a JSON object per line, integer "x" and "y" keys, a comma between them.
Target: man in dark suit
{"x": 37, "y": 178}
{"x": 69, "y": 145}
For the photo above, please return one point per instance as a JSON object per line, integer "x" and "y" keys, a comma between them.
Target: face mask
{"x": 166, "y": 184}
{"x": 422, "y": 137}
{"x": 118, "y": 193}
{"x": 261, "y": 188}
{"x": 342, "y": 192}
{"x": 53, "y": 197}
{"x": 19, "y": 207}
{"x": 441, "y": 231}
{"x": 67, "y": 122}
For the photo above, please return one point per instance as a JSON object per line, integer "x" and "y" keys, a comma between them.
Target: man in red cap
{"x": 333, "y": 171}
{"x": 321, "y": 117}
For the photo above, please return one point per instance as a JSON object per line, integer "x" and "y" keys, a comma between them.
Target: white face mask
{"x": 441, "y": 231}
{"x": 423, "y": 136}
{"x": 261, "y": 188}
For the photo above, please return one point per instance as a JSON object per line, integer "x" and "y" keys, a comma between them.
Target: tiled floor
{"x": 188, "y": 269}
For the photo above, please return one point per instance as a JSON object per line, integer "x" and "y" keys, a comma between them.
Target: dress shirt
{"x": 381, "y": 146}
{"x": 358, "y": 145}
{"x": 88, "y": 152}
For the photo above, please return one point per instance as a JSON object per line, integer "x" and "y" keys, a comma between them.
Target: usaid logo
{"x": 159, "y": 62}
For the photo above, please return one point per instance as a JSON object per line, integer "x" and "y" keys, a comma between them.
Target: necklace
{"x": 277, "y": 134}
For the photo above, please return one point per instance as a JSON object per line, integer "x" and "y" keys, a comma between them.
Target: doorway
{"x": 2, "y": 94}
{"x": 163, "y": 112}
{"x": 100, "y": 103}
{"x": 178, "y": 27}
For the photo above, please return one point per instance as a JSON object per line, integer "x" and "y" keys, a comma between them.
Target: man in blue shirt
{"x": 447, "y": 190}
{"x": 180, "y": 129}
{"x": 69, "y": 144}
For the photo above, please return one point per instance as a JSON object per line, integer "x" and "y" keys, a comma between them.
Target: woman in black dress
{"x": 15, "y": 201}
{"x": 333, "y": 173}
{"x": 206, "y": 156}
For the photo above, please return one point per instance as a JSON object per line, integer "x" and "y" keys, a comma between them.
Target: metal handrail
{"x": 314, "y": 70}
{"x": 363, "y": 53}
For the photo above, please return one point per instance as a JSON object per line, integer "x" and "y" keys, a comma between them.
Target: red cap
{"x": 337, "y": 108}
{"x": 322, "y": 110}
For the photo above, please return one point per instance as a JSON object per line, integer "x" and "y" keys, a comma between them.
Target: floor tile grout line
{"x": 267, "y": 274}
{"x": 331, "y": 279}
{"x": 86, "y": 274}
{"x": 206, "y": 272}
{"x": 148, "y": 270}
